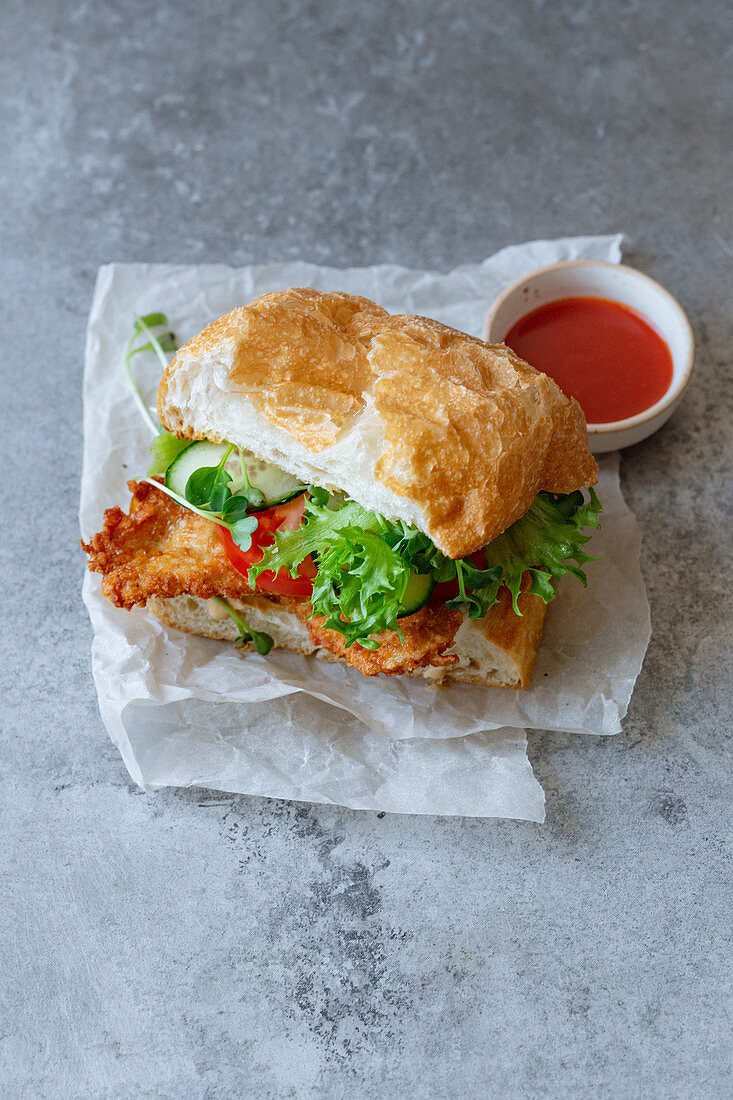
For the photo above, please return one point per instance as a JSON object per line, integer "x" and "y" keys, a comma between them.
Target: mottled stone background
{"x": 192, "y": 944}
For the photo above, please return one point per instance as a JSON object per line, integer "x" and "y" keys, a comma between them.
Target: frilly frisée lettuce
{"x": 361, "y": 579}
{"x": 365, "y": 561}
{"x": 547, "y": 542}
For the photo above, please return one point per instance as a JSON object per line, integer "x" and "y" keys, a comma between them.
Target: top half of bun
{"x": 409, "y": 417}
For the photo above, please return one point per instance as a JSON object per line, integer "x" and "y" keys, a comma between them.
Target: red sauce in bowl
{"x": 602, "y": 353}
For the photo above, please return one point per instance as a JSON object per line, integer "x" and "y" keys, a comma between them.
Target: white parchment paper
{"x": 190, "y": 711}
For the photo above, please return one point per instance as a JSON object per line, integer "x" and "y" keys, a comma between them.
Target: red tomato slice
{"x": 288, "y": 515}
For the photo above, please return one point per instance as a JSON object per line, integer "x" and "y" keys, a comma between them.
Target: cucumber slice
{"x": 190, "y": 460}
{"x": 273, "y": 483}
{"x": 419, "y": 590}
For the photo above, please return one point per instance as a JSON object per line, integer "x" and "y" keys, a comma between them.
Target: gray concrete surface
{"x": 191, "y": 944}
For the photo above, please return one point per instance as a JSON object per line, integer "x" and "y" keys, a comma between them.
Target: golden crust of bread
{"x": 516, "y": 636}
{"x": 471, "y": 433}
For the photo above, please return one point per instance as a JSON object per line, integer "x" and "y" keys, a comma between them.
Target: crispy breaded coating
{"x": 428, "y": 633}
{"x": 160, "y": 549}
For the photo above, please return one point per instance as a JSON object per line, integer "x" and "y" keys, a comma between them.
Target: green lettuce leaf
{"x": 547, "y": 542}
{"x": 478, "y": 589}
{"x": 164, "y": 448}
{"x": 361, "y": 579}
{"x": 365, "y": 561}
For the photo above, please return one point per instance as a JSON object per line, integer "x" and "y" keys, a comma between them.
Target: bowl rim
{"x": 675, "y": 390}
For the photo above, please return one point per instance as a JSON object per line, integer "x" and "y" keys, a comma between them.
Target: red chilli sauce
{"x": 602, "y": 353}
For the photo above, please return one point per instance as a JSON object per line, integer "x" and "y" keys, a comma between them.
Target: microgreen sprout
{"x": 158, "y": 344}
{"x": 241, "y": 529}
{"x": 207, "y": 486}
{"x": 261, "y": 642}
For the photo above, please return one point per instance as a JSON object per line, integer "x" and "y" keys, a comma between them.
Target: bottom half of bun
{"x": 496, "y": 651}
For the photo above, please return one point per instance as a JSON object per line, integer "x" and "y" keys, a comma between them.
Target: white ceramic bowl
{"x": 597, "y": 279}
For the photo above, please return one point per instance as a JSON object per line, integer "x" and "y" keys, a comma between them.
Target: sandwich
{"x": 375, "y": 489}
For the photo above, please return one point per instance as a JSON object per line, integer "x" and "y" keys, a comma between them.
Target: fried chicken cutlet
{"x": 163, "y": 550}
